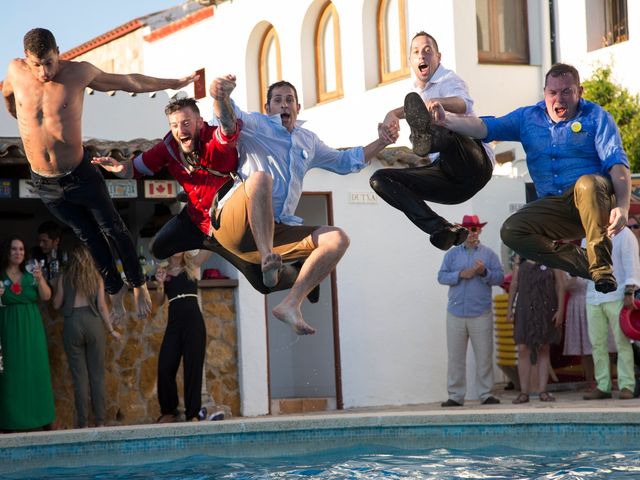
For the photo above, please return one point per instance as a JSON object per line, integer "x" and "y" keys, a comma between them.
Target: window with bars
{"x": 616, "y": 25}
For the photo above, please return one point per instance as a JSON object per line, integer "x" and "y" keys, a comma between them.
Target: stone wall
{"x": 131, "y": 363}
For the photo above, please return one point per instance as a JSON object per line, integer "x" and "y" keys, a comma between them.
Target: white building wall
{"x": 578, "y": 34}
{"x": 389, "y": 299}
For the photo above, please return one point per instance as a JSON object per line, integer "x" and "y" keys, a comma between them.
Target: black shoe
{"x": 450, "y": 403}
{"x": 490, "y": 400}
{"x": 606, "y": 283}
{"x": 448, "y": 236}
{"x": 419, "y": 119}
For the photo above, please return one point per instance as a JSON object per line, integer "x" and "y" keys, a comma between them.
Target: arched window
{"x": 328, "y": 60}
{"x": 392, "y": 40}
{"x": 270, "y": 65}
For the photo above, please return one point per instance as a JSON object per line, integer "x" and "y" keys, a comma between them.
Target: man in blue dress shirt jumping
{"x": 581, "y": 174}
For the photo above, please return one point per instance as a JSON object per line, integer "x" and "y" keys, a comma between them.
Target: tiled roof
{"x": 185, "y": 22}
{"x": 168, "y": 21}
{"x": 107, "y": 37}
{"x": 12, "y": 150}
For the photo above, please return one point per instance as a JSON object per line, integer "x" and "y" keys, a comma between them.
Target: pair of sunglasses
{"x": 634, "y": 227}
{"x": 474, "y": 229}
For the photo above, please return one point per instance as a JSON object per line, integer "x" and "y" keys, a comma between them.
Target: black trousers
{"x": 461, "y": 171}
{"x": 185, "y": 338}
{"x": 180, "y": 234}
{"x": 81, "y": 200}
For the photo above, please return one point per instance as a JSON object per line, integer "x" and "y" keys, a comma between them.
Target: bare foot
{"x": 293, "y": 316}
{"x": 143, "y": 300}
{"x": 271, "y": 265}
{"x": 118, "y": 313}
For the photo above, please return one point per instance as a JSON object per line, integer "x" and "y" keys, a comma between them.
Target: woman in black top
{"x": 184, "y": 337}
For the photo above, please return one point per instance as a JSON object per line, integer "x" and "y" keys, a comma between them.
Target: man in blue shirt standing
{"x": 580, "y": 170}
{"x": 470, "y": 270}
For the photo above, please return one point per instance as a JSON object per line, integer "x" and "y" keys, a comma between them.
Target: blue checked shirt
{"x": 557, "y": 154}
{"x": 470, "y": 297}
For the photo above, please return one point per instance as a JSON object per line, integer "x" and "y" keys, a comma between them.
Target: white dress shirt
{"x": 446, "y": 83}
{"x": 626, "y": 268}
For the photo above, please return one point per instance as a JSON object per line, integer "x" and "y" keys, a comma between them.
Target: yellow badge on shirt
{"x": 576, "y": 127}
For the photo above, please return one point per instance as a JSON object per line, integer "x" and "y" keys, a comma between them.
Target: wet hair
{"x": 5, "y": 250}
{"x": 281, "y": 83}
{"x": 561, "y": 69}
{"x": 178, "y": 104}
{"x": 39, "y": 41}
{"x": 422, "y": 33}
{"x": 82, "y": 272}
{"x": 50, "y": 228}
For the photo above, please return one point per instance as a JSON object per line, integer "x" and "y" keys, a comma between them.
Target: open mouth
{"x": 423, "y": 67}
{"x": 186, "y": 143}
{"x": 560, "y": 111}
{"x": 285, "y": 117}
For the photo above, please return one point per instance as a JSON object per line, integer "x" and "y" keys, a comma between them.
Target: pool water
{"x": 372, "y": 462}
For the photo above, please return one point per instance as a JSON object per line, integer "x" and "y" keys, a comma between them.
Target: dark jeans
{"x": 582, "y": 210}
{"x": 180, "y": 234}
{"x": 461, "y": 171}
{"x": 81, "y": 200}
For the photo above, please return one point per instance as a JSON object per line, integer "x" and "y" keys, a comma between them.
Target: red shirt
{"x": 217, "y": 152}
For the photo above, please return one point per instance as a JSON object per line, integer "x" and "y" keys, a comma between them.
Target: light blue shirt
{"x": 470, "y": 297}
{"x": 264, "y": 145}
{"x": 558, "y": 155}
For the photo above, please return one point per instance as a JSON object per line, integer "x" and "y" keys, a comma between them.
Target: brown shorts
{"x": 292, "y": 242}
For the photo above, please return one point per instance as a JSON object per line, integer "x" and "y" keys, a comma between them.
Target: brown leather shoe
{"x": 596, "y": 394}
{"x": 626, "y": 394}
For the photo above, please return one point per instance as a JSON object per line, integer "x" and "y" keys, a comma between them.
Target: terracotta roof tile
{"x": 185, "y": 22}
{"x": 12, "y": 150}
{"x": 107, "y": 37}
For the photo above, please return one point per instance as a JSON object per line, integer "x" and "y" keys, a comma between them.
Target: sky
{"x": 72, "y": 21}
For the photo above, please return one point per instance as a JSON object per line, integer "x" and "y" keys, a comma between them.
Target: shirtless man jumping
{"x": 46, "y": 94}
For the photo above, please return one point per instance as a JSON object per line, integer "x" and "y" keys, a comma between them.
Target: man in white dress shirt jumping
{"x": 462, "y": 165}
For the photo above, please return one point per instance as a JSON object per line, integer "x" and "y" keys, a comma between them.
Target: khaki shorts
{"x": 292, "y": 242}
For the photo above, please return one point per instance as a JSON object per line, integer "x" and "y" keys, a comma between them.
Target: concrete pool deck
{"x": 569, "y": 408}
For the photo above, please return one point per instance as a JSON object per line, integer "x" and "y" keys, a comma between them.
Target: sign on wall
{"x": 363, "y": 197}
{"x": 160, "y": 188}
{"x": 5, "y": 188}
{"x": 122, "y": 188}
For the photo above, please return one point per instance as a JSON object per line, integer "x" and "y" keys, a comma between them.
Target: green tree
{"x": 622, "y": 105}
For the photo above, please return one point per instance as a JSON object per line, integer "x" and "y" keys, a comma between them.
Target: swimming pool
{"x": 546, "y": 445}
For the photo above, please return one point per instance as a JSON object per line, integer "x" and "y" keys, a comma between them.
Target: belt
{"x": 183, "y": 295}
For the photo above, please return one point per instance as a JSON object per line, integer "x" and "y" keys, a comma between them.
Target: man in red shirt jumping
{"x": 203, "y": 159}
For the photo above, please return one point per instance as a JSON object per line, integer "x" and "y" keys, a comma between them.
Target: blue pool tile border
{"x": 295, "y": 436}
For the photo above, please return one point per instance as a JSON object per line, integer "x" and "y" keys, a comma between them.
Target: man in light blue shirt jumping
{"x": 256, "y": 220}
{"x": 579, "y": 168}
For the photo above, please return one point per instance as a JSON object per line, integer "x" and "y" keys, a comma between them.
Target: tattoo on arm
{"x": 226, "y": 116}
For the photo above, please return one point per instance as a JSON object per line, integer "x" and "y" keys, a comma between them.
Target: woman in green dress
{"x": 26, "y": 396}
